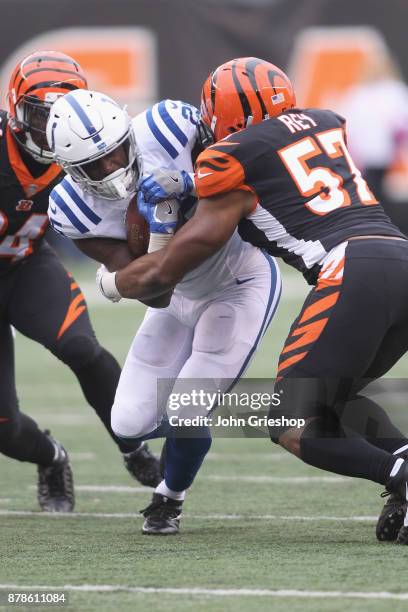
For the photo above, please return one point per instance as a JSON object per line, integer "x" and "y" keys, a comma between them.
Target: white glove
{"x": 106, "y": 283}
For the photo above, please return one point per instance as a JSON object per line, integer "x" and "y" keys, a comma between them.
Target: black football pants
{"x": 351, "y": 329}
{"x": 42, "y": 301}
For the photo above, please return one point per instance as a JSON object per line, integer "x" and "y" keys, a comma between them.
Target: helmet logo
{"x": 278, "y": 98}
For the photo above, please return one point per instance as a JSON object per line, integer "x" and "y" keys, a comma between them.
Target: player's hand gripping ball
{"x": 163, "y": 218}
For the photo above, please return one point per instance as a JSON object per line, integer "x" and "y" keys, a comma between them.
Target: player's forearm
{"x": 212, "y": 225}
{"x": 115, "y": 255}
{"x": 146, "y": 278}
{"x": 112, "y": 253}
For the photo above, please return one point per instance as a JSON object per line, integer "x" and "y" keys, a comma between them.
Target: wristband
{"x": 108, "y": 287}
{"x": 158, "y": 241}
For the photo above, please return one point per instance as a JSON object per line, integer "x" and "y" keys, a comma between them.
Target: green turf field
{"x": 261, "y": 530}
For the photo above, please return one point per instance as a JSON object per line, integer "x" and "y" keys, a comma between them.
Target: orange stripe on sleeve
{"x": 217, "y": 173}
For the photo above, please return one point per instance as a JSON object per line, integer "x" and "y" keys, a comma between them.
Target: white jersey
{"x": 165, "y": 136}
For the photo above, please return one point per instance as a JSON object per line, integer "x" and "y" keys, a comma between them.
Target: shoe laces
{"x": 54, "y": 481}
{"x": 162, "y": 509}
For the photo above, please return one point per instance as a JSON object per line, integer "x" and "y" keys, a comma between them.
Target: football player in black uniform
{"x": 38, "y": 297}
{"x": 284, "y": 176}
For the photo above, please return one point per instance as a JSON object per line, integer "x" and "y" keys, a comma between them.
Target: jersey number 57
{"x": 321, "y": 180}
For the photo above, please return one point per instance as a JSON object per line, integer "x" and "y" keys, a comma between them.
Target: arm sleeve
{"x": 219, "y": 169}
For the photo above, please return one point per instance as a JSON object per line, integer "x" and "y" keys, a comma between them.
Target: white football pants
{"x": 212, "y": 338}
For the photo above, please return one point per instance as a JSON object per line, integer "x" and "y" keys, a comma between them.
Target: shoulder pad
{"x": 68, "y": 211}
{"x": 173, "y": 125}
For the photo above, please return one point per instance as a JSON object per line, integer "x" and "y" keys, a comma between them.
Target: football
{"x": 137, "y": 230}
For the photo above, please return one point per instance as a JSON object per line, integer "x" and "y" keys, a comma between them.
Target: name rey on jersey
{"x": 308, "y": 194}
{"x": 24, "y": 201}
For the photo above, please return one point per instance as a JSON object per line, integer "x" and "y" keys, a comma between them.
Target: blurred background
{"x": 351, "y": 56}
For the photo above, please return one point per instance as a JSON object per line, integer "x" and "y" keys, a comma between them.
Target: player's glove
{"x": 162, "y": 217}
{"x": 165, "y": 184}
{"x": 106, "y": 283}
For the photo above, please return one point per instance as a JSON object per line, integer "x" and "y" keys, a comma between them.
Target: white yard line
{"x": 111, "y": 489}
{"x": 201, "y": 517}
{"x": 82, "y": 456}
{"x": 107, "y": 489}
{"x": 217, "y": 478}
{"x": 281, "y": 593}
{"x": 245, "y": 456}
{"x": 278, "y": 479}
{"x": 66, "y": 418}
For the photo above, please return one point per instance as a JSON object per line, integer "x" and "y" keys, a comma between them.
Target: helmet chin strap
{"x": 118, "y": 181}
{"x": 120, "y": 188}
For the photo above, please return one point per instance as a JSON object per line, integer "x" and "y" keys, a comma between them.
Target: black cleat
{"x": 391, "y": 518}
{"x": 162, "y": 516}
{"x": 397, "y": 485}
{"x": 143, "y": 466}
{"x": 55, "y": 483}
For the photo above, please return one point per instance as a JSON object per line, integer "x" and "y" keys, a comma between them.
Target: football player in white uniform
{"x": 210, "y": 326}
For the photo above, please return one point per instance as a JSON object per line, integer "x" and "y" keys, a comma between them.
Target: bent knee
{"x": 8, "y": 429}
{"x": 290, "y": 440}
{"x": 77, "y": 350}
{"x": 128, "y": 421}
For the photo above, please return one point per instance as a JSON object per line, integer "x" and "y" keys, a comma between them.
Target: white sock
{"x": 163, "y": 489}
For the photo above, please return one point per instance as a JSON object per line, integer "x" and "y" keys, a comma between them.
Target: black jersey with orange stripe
{"x": 23, "y": 200}
{"x": 310, "y": 195}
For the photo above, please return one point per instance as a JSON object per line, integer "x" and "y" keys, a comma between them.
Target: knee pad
{"x": 77, "y": 350}
{"x": 127, "y": 421}
{"x": 215, "y": 330}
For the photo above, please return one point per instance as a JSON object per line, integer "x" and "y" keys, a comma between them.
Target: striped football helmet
{"x": 242, "y": 92}
{"x": 36, "y": 82}
{"x": 92, "y": 139}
